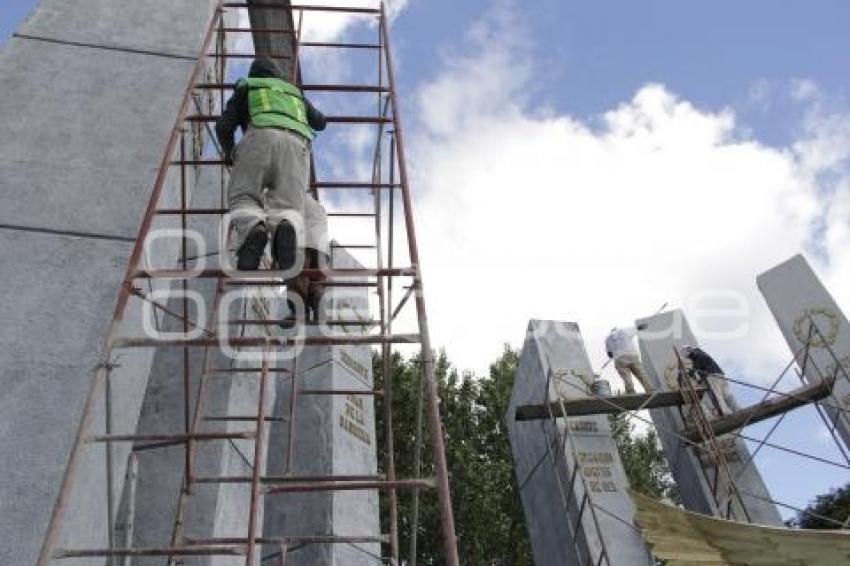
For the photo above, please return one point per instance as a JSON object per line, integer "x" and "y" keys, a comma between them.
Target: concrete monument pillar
{"x": 796, "y": 298}
{"x": 334, "y": 436}
{"x": 92, "y": 89}
{"x": 546, "y": 452}
{"x": 702, "y": 488}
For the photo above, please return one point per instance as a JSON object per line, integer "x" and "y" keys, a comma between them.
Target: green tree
{"x": 834, "y": 505}
{"x": 488, "y": 513}
{"x": 643, "y": 460}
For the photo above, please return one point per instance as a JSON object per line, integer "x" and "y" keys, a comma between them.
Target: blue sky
{"x": 593, "y": 55}
{"x": 753, "y": 97}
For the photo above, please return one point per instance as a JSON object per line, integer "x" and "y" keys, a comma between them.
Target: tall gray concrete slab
{"x": 543, "y": 460}
{"x": 690, "y": 465}
{"x": 795, "y": 296}
{"x": 279, "y": 45}
{"x": 85, "y": 122}
{"x": 49, "y": 352}
{"x": 335, "y": 435}
{"x": 166, "y": 28}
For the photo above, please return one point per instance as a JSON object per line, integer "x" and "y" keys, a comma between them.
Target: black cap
{"x": 265, "y": 68}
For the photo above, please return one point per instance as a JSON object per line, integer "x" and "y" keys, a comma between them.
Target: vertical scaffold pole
{"x": 438, "y": 448}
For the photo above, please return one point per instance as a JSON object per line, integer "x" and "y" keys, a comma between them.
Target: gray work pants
{"x": 269, "y": 180}
{"x": 628, "y": 365}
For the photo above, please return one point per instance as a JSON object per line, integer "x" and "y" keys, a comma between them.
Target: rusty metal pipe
{"x": 438, "y": 447}
{"x": 352, "y": 486}
{"x": 258, "y": 466}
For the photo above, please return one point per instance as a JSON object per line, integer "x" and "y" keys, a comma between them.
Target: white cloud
{"x": 524, "y": 216}
{"x": 804, "y": 89}
{"x": 330, "y": 26}
{"x": 322, "y": 26}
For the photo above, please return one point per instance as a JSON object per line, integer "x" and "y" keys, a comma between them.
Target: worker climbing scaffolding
{"x": 271, "y": 203}
{"x": 271, "y": 164}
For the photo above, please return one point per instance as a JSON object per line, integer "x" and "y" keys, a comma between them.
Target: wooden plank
{"x": 603, "y": 405}
{"x": 687, "y": 538}
{"x": 765, "y": 410}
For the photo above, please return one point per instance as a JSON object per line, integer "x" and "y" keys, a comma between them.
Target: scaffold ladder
{"x": 390, "y": 186}
{"x": 693, "y": 414}
{"x": 559, "y": 443}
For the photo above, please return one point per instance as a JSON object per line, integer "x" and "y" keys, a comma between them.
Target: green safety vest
{"x": 275, "y": 103}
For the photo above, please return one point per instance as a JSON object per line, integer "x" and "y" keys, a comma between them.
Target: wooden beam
{"x": 766, "y": 409}
{"x": 603, "y": 405}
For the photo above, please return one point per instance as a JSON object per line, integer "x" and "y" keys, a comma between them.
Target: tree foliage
{"x": 834, "y": 505}
{"x": 643, "y": 460}
{"x": 488, "y": 512}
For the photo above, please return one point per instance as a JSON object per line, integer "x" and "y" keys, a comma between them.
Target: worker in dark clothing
{"x": 707, "y": 368}
{"x": 271, "y": 164}
{"x": 317, "y": 257}
{"x": 701, "y": 361}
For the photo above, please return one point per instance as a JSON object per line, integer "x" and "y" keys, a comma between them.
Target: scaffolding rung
{"x": 246, "y": 418}
{"x": 245, "y": 56}
{"x": 278, "y": 321}
{"x": 339, "y": 45}
{"x": 306, "y": 8}
{"x": 352, "y": 486}
{"x": 354, "y": 246}
{"x": 257, "y": 30}
{"x": 358, "y": 120}
{"x": 248, "y": 370}
{"x": 354, "y": 185}
{"x": 191, "y": 211}
{"x": 198, "y": 436}
{"x": 319, "y": 185}
{"x": 302, "y": 539}
{"x": 351, "y": 214}
{"x": 285, "y": 479}
{"x": 259, "y": 274}
{"x": 194, "y": 118}
{"x": 197, "y": 162}
{"x": 199, "y": 550}
{"x": 279, "y": 283}
{"x": 304, "y": 87}
{"x": 351, "y": 284}
{"x": 375, "y": 392}
{"x": 269, "y": 341}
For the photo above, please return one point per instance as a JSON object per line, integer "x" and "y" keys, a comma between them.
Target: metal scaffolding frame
{"x": 558, "y": 444}
{"x": 693, "y": 414}
{"x": 390, "y": 176}
{"x": 699, "y": 431}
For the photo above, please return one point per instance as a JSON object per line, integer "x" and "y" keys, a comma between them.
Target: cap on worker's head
{"x": 686, "y": 349}
{"x": 265, "y": 68}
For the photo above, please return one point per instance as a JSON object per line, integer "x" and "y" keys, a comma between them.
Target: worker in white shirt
{"x": 621, "y": 348}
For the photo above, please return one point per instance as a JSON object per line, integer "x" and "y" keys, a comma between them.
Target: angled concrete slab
{"x": 701, "y": 489}
{"x": 796, "y": 298}
{"x": 547, "y": 451}
{"x": 86, "y": 120}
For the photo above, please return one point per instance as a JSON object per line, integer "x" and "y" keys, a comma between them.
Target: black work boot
{"x": 288, "y": 321}
{"x": 283, "y": 245}
{"x": 314, "y": 302}
{"x": 249, "y": 255}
